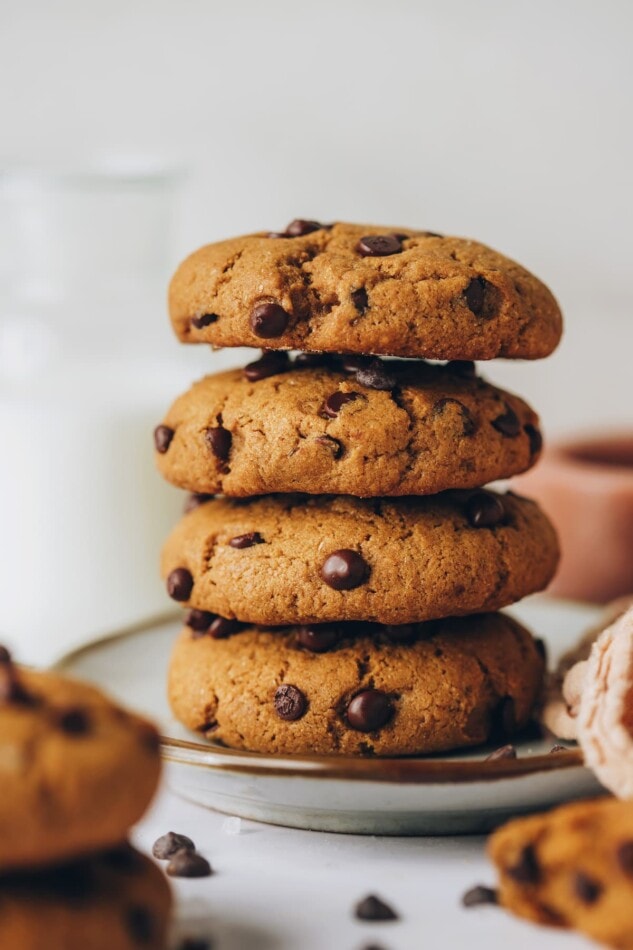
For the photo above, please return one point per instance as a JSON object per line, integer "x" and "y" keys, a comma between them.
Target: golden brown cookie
{"x": 284, "y": 559}
{"x": 572, "y": 867}
{"x": 76, "y": 771}
{"x": 353, "y": 426}
{"x": 358, "y": 288}
{"x": 118, "y": 900}
{"x": 357, "y": 688}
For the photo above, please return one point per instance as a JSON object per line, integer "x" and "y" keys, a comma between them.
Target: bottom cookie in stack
{"x": 355, "y": 688}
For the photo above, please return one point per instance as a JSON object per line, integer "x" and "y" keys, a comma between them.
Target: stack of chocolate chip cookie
{"x": 342, "y": 592}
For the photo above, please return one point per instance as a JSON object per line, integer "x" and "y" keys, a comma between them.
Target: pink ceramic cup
{"x": 586, "y": 487}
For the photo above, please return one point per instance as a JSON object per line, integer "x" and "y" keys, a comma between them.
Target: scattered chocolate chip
{"x": 474, "y": 295}
{"x": 507, "y": 424}
{"x": 270, "y": 364}
{"x": 194, "y": 500}
{"x": 219, "y": 441}
{"x": 180, "y": 584}
{"x": 186, "y": 863}
{"x": 374, "y": 909}
{"x": 246, "y": 540}
{"x": 505, "y": 752}
{"x": 379, "y": 245}
{"x": 222, "y": 627}
{"x": 344, "y": 570}
{"x": 141, "y": 923}
{"x": 624, "y": 855}
{"x": 74, "y": 722}
{"x": 162, "y": 438}
{"x": 290, "y": 703}
{"x": 167, "y": 845}
{"x": 466, "y": 369}
{"x": 299, "y": 227}
{"x": 526, "y": 869}
{"x": 334, "y": 403}
{"x": 369, "y": 710}
{"x": 334, "y": 446}
{"x": 318, "y": 639}
{"x": 479, "y": 895}
{"x": 204, "y": 320}
{"x": 586, "y": 888}
{"x": 199, "y": 620}
{"x": 535, "y": 438}
{"x": 557, "y": 748}
{"x": 269, "y": 320}
{"x": 400, "y": 633}
{"x": 484, "y": 510}
{"x": 468, "y": 424}
{"x": 376, "y": 376}
{"x": 360, "y": 299}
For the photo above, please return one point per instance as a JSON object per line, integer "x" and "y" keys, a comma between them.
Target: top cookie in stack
{"x": 338, "y": 420}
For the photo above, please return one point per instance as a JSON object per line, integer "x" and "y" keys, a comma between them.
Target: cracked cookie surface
{"x": 414, "y": 294}
{"x": 285, "y": 559}
{"x": 427, "y": 429}
{"x": 452, "y": 683}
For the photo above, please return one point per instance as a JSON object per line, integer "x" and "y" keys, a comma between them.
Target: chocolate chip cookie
{"x": 286, "y": 559}
{"x": 572, "y": 867}
{"x": 357, "y": 688}
{"x": 363, "y": 289}
{"x": 118, "y": 900}
{"x": 76, "y": 771}
{"x": 351, "y": 425}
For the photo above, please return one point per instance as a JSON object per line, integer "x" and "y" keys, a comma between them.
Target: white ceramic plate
{"x": 447, "y": 794}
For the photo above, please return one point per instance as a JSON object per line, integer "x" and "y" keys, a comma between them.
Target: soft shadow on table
{"x": 222, "y": 931}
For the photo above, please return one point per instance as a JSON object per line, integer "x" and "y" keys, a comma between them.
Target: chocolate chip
{"x": 167, "y": 845}
{"x": 194, "y": 500}
{"x": 535, "y": 438}
{"x": 334, "y": 403}
{"x": 586, "y": 888}
{"x": 74, "y": 722}
{"x": 360, "y": 299}
{"x": 376, "y": 376}
{"x": 379, "y": 245}
{"x": 507, "y": 424}
{"x": 180, "y": 584}
{"x": 290, "y": 703}
{"x": 474, "y": 294}
{"x": 219, "y": 441}
{"x": 374, "y": 909}
{"x": 505, "y": 752}
{"x": 484, "y": 510}
{"x": 270, "y": 364}
{"x": 186, "y": 863}
{"x": 468, "y": 424}
{"x": 199, "y": 620}
{"x": 401, "y": 633}
{"x": 204, "y": 320}
{"x": 479, "y": 895}
{"x": 557, "y": 748}
{"x": 334, "y": 446}
{"x": 433, "y": 234}
{"x": 466, "y": 369}
{"x": 246, "y": 540}
{"x": 525, "y": 870}
{"x": 624, "y": 855}
{"x": 369, "y": 710}
{"x": 318, "y": 639}
{"x": 11, "y": 688}
{"x": 141, "y": 924}
{"x": 222, "y": 627}
{"x": 352, "y": 362}
{"x": 269, "y": 320}
{"x": 344, "y": 570}
{"x": 299, "y": 227}
{"x": 309, "y": 360}
{"x": 162, "y": 438}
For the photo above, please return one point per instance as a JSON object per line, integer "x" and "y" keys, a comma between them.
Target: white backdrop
{"x": 503, "y": 120}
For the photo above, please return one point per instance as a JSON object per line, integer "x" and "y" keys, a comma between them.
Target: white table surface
{"x": 277, "y": 888}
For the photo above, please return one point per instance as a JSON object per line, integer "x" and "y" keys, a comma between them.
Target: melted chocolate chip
{"x": 310, "y": 360}
{"x": 475, "y": 295}
{"x": 167, "y": 845}
{"x": 219, "y": 441}
{"x": 162, "y": 438}
{"x": 222, "y": 627}
{"x": 180, "y": 584}
{"x": 186, "y": 863}
{"x": 526, "y": 869}
{"x": 334, "y": 446}
{"x": 344, "y": 570}
{"x": 270, "y": 364}
{"x": 373, "y": 908}
{"x": 360, "y": 299}
{"x": 535, "y": 438}
{"x": 507, "y": 424}
{"x": 376, "y": 376}
{"x": 624, "y": 855}
{"x": 299, "y": 227}
{"x": 204, "y": 320}
{"x": 74, "y": 722}
{"x": 586, "y": 888}
{"x": 369, "y": 710}
{"x": 479, "y": 895}
{"x": 246, "y": 540}
{"x": 401, "y": 633}
{"x": 468, "y": 424}
{"x": 484, "y": 510}
{"x": 465, "y": 369}
{"x": 379, "y": 245}
{"x": 194, "y": 500}
{"x": 199, "y": 620}
{"x": 335, "y": 402}
{"x": 141, "y": 924}
{"x": 352, "y": 362}
{"x": 318, "y": 639}
{"x": 505, "y": 752}
{"x": 269, "y": 320}
{"x": 290, "y": 703}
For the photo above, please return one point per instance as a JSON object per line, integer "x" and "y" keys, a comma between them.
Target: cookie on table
{"x": 358, "y": 288}
{"x": 572, "y": 867}
{"x": 76, "y": 771}
{"x": 117, "y": 900}
{"x": 286, "y": 559}
{"x": 355, "y": 688}
{"x": 353, "y": 426}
